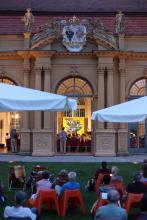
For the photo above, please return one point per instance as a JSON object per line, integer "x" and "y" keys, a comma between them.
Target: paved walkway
{"x": 75, "y": 158}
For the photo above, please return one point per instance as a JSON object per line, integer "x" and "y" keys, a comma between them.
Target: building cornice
{"x": 121, "y": 54}
{"x": 47, "y": 53}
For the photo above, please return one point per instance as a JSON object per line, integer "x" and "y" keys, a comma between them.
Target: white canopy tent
{"x": 131, "y": 111}
{"x": 16, "y": 98}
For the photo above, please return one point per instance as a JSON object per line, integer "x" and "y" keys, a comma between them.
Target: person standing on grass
{"x": 63, "y": 138}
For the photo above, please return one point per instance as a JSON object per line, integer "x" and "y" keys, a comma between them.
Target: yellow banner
{"x": 74, "y": 124}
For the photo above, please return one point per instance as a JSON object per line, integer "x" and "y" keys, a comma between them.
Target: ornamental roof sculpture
{"x": 74, "y": 33}
{"x": 28, "y": 19}
{"x": 119, "y": 22}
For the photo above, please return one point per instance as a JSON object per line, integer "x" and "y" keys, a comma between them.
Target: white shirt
{"x": 11, "y": 211}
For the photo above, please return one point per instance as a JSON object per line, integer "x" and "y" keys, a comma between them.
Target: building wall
{"x": 110, "y": 73}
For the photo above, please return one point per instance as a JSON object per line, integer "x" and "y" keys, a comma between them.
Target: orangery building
{"x": 89, "y": 50}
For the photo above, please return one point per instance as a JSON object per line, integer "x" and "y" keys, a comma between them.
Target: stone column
{"x": 105, "y": 138}
{"x": 27, "y": 37}
{"x": 123, "y": 130}
{"x": 43, "y": 143}
{"x": 37, "y": 114}
{"x": 25, "y": 131}
{"x": 110, "y": 91}
{"x": 101, "y": 92}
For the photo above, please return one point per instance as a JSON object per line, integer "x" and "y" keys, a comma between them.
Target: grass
{"x": 85, "y": 171}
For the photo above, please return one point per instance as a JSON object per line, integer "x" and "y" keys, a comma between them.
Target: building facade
{"x": 99, "y": 58}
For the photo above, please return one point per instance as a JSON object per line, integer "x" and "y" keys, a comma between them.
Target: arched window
{"x": 139, "y": 88}
{"x": 137, "y": 131}
{"x": 7, "y": 80}
{"x": 75, "y": 87}
{"x": 77, "y": 123}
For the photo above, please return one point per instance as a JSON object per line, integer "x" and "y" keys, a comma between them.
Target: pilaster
{"x": 123, "y": 130}
{"x": 101, "y": 91}
{"x": 37, "y": 114}
{"x": 25, "y": 131}
{"x": 121, "y": 41}
{"x": 27, "y": 40}
{"x": 110, "y": 90}
{"x": 43, "y": 137}
{"x": 47, "y": 88}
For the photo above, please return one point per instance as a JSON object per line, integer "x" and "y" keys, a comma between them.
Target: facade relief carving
{"x": 74, "y": 33}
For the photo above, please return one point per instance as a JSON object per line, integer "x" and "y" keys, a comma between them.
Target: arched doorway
{"x": 137, "y": 140}
{"x": 8, "y": 120}
{"x": 77, "y": 123}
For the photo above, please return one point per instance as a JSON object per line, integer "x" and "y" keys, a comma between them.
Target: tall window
{"x": 137, "y": 131}
{"x": 77, "y": 123}
{"x": 8, "y": 120}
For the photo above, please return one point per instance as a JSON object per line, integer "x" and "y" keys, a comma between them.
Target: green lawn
{"x": 84, "y": 172}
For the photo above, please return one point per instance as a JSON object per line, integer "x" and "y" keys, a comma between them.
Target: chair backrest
{"x": 18, "y": 218}
{"x": 132, "y": 199}
{"x": 119, "y": 186}
{"x": 99, "y": 181}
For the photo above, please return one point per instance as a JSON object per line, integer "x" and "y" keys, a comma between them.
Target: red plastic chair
{"x": 99, "y": 181}
{"x": 45, "y": 196}
{"x": 74, "y": 197}
{"x": 132, "y": 199}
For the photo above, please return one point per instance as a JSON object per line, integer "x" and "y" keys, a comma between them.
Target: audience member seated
{"x": 90, "y": 186}
{"x": 103, "y": 170}
{"x": 136, "y": 186}
{"x": 2, "y": 194}
{"x": 105, "y": 186}
{"x": 43, "y": 184}
{"x": 18, "y": 210}
{"x": 71, "y": 184}
{"x": 104, "y": 189}
{"x": 115, "y": 177}
{"x": 144, "y": 174}
{"x": 61, "y": 179}
{"x": 112, "y": 210}
{"x": 143, "y": 209}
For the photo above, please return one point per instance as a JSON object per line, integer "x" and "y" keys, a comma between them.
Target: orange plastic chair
{"x": 100, "y": 203}
{"x": 73, "y": 196}
{"x": 132, "y": 199}
{"x": 99, "y": 181}
{"x": 45, "y": 196}
{"x": 145, "y": 183}
{"x": 119, "y": 186}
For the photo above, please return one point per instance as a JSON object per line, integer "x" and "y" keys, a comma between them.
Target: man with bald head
{"x": 111, "y": 211}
